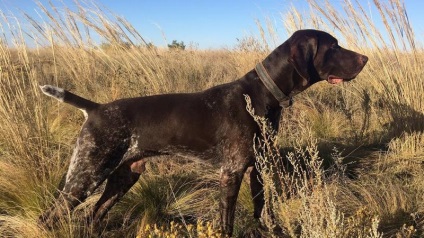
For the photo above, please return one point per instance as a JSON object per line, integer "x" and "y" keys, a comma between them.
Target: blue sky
{"x": 208, "y": 24}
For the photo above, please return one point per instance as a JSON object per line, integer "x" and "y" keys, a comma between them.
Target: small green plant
{"x": 175, "y": 45}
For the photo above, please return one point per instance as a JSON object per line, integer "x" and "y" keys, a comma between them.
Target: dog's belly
{"x": 181, "y": 143}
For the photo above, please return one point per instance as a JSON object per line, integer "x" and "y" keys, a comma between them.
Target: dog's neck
{"x": 283, "y": 73}
{"x": 280, "y": 70}
{"x": 268, "y": 82}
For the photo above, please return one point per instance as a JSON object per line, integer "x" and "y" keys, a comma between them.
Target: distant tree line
{"x": 175, "y": 45}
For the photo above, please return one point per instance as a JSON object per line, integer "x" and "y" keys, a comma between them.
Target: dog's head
{"x": 317, "y": 56}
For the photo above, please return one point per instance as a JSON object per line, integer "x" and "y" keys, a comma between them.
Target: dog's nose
{"x": 363, "y": 59}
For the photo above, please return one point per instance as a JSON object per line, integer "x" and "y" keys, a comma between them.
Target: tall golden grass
{"x": 347, "y": 161}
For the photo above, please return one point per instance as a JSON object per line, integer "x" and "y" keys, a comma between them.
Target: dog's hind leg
{"x": 120, "y": 181}
{"x": 89, "y": 167}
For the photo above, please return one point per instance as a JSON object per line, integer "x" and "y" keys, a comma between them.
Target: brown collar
{"x": 284, "y": 100}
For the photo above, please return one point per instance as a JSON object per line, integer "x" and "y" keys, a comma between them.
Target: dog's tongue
{"x": 334, "y": 80}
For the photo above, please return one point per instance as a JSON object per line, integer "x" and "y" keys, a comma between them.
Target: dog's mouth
{"x": 334, "y": 79}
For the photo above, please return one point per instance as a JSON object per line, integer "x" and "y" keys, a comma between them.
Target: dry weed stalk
{"x": 299, "y": 197}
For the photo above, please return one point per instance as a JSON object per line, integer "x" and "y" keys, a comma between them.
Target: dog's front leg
{"x": 257, "y": 191}
{"x": 230, "y": 181}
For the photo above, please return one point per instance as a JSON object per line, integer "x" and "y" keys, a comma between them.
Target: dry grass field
{"x": 352, "y": 155}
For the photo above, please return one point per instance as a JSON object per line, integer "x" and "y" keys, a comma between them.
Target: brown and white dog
{"x": 117, "y": 137}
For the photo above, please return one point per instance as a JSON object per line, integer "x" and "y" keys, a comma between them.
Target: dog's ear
{"x": 302, "y": 54}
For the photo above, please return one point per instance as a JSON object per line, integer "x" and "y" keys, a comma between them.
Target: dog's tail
{"x": 65, "y": 96}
